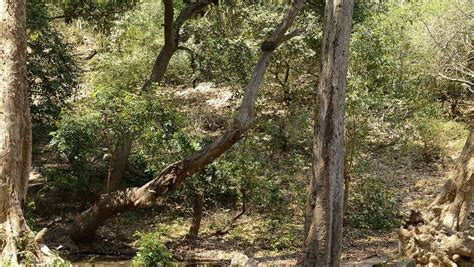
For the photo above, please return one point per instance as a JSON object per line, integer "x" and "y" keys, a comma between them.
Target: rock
{"x": 456, "y": 257}
{"x": 376, "y": 262}
{"x": 243, "y": 260}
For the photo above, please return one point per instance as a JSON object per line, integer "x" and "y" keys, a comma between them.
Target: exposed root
{"x": 442, "y": 237}
{"x": 434, "y": 244}
{"x": 19, "y": 245}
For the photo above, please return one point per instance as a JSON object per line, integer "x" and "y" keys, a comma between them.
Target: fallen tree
{"x": 86, "y": 224}
{"x": 442, "y": 236}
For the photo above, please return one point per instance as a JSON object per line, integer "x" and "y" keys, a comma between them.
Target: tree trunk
{"x": 197, "y": 214}
{"x": 118, "y": 163}
{"x": 17, "y": 242}
{"x": 443, "y": 237}
{"x": 172, "y": 176}
{"x": 324, "y": 210}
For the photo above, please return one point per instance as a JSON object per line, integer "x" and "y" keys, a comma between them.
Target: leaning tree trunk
{"x": 172, "y": 176}
{"x": 444, "y": 237}
{"x": 17, "y": 242}
{"x": 324, "y": 210}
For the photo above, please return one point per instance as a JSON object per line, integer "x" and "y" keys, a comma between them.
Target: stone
{"x": 241, "y": 260}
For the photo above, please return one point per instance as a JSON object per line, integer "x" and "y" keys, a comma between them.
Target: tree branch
{"x": 456, "y": 80}
{"x": 172, "y": 38}
{"x": 172, "y": 176}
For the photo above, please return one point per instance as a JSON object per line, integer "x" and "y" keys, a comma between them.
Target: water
{"x": 128, "y": 263}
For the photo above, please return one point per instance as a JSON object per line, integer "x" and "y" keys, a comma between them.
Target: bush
{"x": 371, "y": 205}
{"x": 151, "y": 251}
{"x": 438, "y": 136}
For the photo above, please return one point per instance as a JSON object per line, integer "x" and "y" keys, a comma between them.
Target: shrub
{"x": 438, "y": 136}
{"x": 151, "y": 251}
{"x": 371, "y": 205}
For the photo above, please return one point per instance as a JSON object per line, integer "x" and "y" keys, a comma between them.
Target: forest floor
{"x": 415, "y": 185}
{"x": 413, "y": 181}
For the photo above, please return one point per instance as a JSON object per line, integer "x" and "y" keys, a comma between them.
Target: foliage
{"x": 52, "y": 68}
{"x": 100, "y": 14}
{"x": 394, "y": 87}
{"x": 151, "y": 251}
{"x": 371, "y": 205}
{"x": 437, "y": 135}
{"x": 395, "y": 97}
{"x": 76, "y": 135}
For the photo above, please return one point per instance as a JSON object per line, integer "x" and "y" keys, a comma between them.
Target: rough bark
{"x": 173, "y": 175}
{"x": 324, "y": 210}
{"x": 443, "y": 237}
{"x": 197, "y": 215}
{"x": 172, "y": 29}
{"x": 17, "y": 242}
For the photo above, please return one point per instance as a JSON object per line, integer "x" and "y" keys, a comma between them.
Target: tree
{"x": 17, "y": 242}
{"x": 172, "y": 176}
{"x": 122, "y": 148}
{"x": 442, "y": 236}
{"x": 324, "y": 208}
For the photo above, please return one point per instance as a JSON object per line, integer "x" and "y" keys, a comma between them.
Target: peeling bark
{"x": 172, "y": 176}
{"x": 443, "y": 237}
{"x": 324, "y": 208}
{"x": 17, "y": 242}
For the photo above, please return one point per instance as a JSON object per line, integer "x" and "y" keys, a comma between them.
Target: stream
{"x": 128, "y": 263}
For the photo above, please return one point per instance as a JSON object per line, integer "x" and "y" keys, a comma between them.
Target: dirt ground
{"x": 415, "y": 185}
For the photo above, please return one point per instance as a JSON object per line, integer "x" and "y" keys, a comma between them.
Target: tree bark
{"x": 324, "y": 210}
{"x": 172, "y": 176}
{"x": 17, "y": 242}
{"x": 442, "y": 237}
{"x": 172, "y": 37}
{"x": 197, "y": 214}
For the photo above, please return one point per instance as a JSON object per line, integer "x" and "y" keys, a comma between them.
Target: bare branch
{"x": 456, "y": 80}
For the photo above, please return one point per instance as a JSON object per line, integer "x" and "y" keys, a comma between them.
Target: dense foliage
{"x": 52, "y": 67}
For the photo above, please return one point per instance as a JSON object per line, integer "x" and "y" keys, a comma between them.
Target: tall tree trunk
{"x": 443, "y": 237}
{"x": 324, "y": 210}
{"x": 172, "y": 176}
{"x": 17, "y": 242}
{"x": 172, "y": 29}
